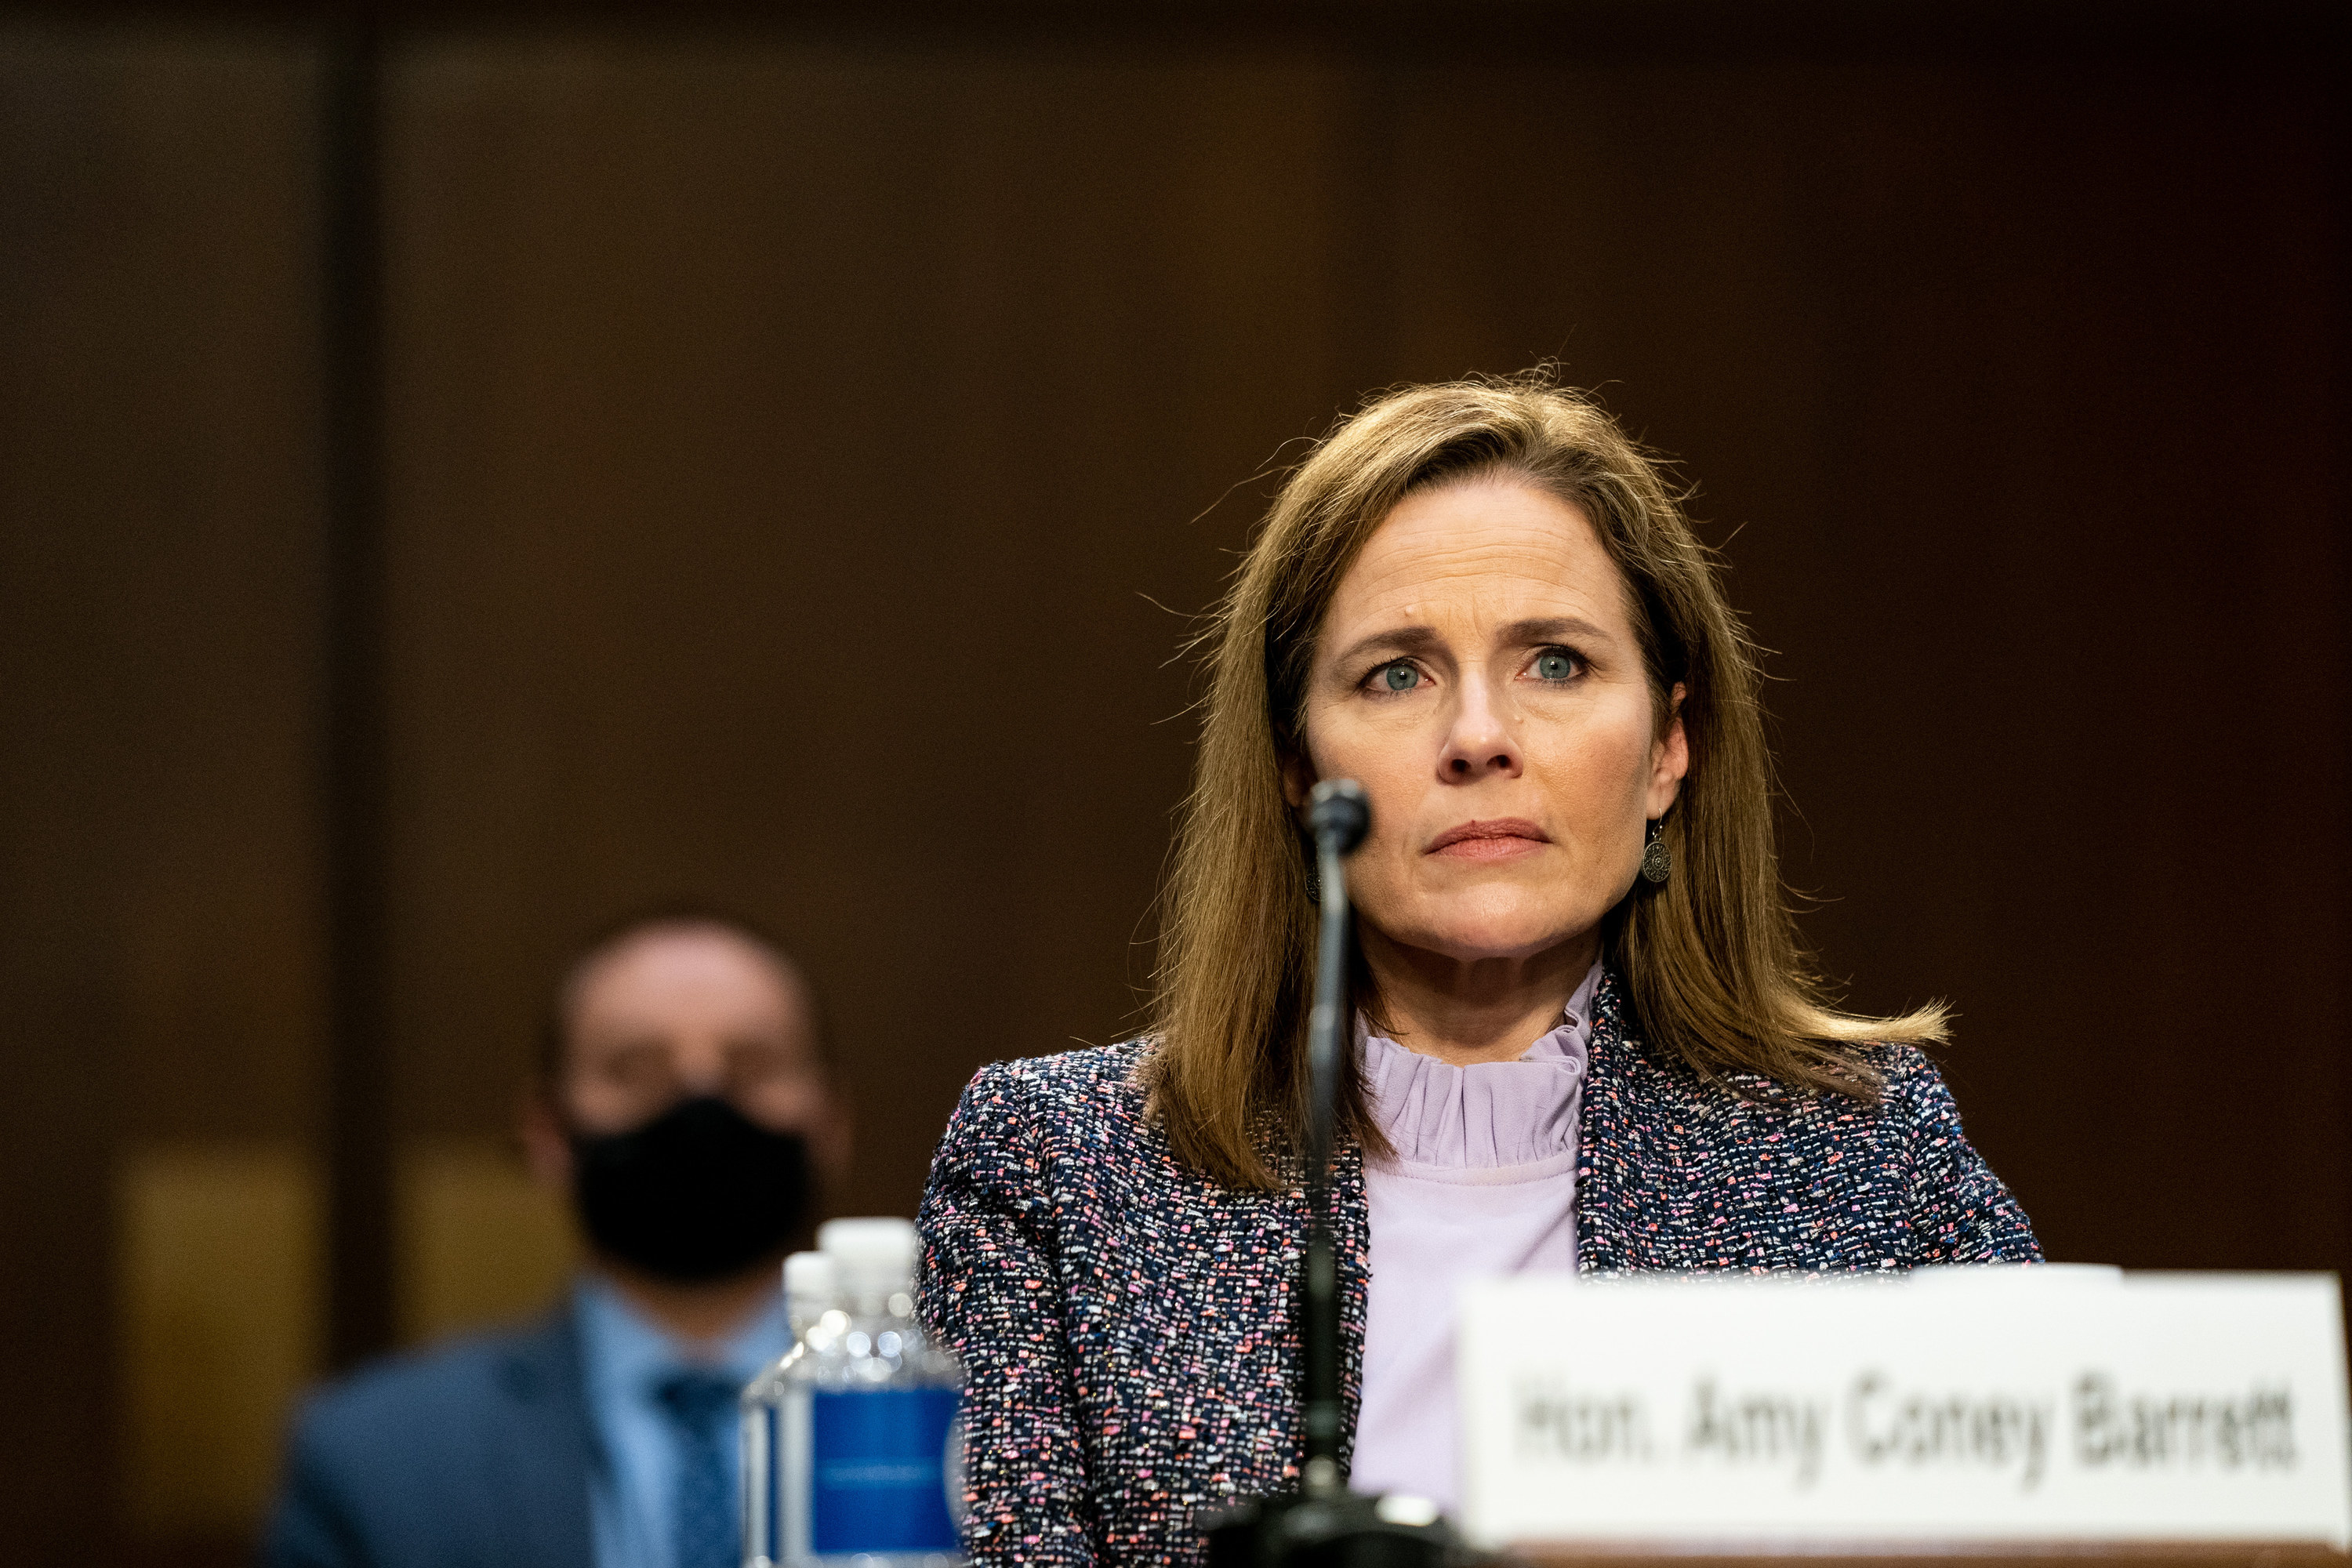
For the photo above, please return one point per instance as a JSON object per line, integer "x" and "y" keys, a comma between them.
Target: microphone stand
{"x": 1324, "y": 1524}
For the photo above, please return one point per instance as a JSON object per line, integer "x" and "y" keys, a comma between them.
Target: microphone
{"x": 1325, "y": 1525}
{"x": 1338, "y": 817}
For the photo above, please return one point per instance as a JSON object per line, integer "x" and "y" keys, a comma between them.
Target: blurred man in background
{"x": 684, "y": 1106}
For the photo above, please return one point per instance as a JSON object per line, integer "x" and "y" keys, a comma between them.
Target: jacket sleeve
{"x": 991, "y": 1293}
{"x": 311, "y": 1525}
{"x": 1959, "y": 1211}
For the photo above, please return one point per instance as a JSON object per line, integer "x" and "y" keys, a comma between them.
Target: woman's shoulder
{"x": 1912, "y": 1092}
{"x": 1899, "y": 1090}
{"x": 1893, "y": 1079}
{"x": 1067, "y": 1134}
{"x": 1087, "y": 1093}
{"x": 1089, "y": 1073}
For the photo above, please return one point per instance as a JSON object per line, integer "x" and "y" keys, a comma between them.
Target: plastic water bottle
{"x": 853, "y": 1443}
{"x": 811, "y": 1308}
{"x": 811, "y": 1288}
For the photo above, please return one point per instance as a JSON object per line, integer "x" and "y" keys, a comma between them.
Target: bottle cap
{"x": 872, "y": 1255}
{"x": 811, "y": 1281}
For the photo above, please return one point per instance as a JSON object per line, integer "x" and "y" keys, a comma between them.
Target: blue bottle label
{"x": 880, "y": 1470}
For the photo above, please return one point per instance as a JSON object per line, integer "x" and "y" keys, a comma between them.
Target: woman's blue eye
{"x": 1554, "y": 666}
{"x": 1399, "y": 678}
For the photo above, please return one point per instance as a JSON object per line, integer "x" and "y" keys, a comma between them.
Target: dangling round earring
{"x": 1657, "y": 860}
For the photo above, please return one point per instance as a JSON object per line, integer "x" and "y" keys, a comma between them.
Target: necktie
{"x": 701, "y": 1406}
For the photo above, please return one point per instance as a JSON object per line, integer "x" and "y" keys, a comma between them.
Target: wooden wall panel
{"x": 790, "y": 441}
{"x": 787, "y": 441}
{"x": 1949, "y": 346}
{"x": 2017, "y": 397}
{"x": 158, "y": 951}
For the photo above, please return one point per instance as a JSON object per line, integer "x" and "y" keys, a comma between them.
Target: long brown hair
{"x": 1712, "y": 958}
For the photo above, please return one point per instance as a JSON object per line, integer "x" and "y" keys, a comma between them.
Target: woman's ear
{"x": 1297, "y": 778}
{"x": 1669, "y": 757}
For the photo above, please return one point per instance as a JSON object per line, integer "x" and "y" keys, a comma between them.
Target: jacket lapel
{"x": 1352, "y": 1236}
{"x": 1613, "y": 1162}
{"x": 1276, "y": 1225}
{"x": 541, "y": 1450}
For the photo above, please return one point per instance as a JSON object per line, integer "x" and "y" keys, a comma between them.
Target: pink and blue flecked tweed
{"x": 1128, "y": 1327}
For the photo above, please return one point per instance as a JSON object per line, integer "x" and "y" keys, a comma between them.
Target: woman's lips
{"x": 1504, "y": 839}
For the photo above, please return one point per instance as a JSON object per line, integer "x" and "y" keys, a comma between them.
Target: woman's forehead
{"x": 1494, "y": 549}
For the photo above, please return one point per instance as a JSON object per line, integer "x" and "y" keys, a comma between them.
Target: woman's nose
{"x": 1480, "y": 742}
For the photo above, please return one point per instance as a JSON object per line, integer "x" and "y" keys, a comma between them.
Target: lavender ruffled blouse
{"x": 1484, "y": 1184}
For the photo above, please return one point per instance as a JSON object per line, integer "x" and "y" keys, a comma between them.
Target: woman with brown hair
{"x": 1587, "y": 1036}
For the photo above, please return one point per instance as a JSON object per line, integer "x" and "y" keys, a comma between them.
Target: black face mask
{"x": 699, "y": 1192}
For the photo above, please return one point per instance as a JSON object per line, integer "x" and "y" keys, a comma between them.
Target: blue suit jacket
{"x": 473, "y": 1455}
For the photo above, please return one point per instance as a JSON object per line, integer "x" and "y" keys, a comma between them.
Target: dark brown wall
{"x": 790, "y": 439}
{"x": 791, "y": 446}
{"x": 158, "y": 614}
{"x": 2018, "y": 393}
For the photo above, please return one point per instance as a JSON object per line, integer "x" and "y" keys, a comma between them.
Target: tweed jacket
{"x": 1128, "y": 1327}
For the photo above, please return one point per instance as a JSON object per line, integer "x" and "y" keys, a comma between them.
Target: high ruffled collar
{"x": 1488, "y": 1116}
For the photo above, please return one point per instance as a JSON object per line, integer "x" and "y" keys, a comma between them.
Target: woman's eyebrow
{"x": 1400, "y": 640}
{"x": 1395, "y": 640}
{"x": 1555, "y": 628}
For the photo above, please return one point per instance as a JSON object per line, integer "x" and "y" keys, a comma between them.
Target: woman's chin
{"x": 1513, "y": 931}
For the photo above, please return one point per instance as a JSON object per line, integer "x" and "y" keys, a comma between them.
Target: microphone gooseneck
{"x": 1323, "y": 1524}
{"x": 1338, "y": 817}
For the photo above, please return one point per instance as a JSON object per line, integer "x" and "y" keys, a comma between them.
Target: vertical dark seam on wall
{"x": 359, "y": 1148}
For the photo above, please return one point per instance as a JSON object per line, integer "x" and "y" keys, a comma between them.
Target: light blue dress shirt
{"x": 633, "y": 1492}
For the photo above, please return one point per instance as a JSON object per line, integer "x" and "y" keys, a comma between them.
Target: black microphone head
{"x": 1338, "y": 815}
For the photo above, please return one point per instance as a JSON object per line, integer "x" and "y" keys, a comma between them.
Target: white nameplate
{"x": 1966, "y": 1404}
